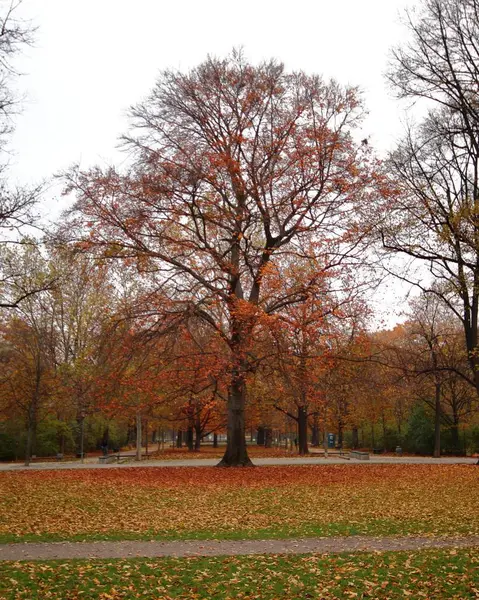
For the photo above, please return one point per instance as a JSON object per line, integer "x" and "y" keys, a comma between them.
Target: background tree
{"x": 29, "y": 338}
{"x": 17, "y": 204}
{"x": 435, "y": 216}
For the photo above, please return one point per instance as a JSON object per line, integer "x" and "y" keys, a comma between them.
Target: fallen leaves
{"x": 260, "y": 502}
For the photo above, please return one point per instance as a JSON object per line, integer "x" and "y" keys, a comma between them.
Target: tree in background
{"x": 435, "y": 217}
{"x": 28, "y": 339}
{"x": 17, "y": 204}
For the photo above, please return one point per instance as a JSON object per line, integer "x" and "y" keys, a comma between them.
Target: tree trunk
{"x": 236, "y": 454}
{"x": 179, "y": 439}
{"x": 302, "y": 431}
{"x": 355, "y": 438}
{"x": 383, "y": 418}
{"x": 215, "y": 440}
{"x": 325, "y": 441}
{"x": 260, "y": 436}
{"x": 340, "y": 434}
{"x": 146, "y": 436}
{"x": 30, "y": 434}
{"x": 268, "y": 437}
{"x": 131, "y": 435}
{"x": 198, "y": 433}
{"x": 32, "y": 417}
{"x": 105, "y": 438}
{"x": 82, "y": 439}
{"x": 456, "y": 444}
{"x": 373, "y": 439}
{"x": 315, "y": 431}
{"x": 189, "y": 438}
{"x": 437, "y": 422}
{"x": 138, "y": 437}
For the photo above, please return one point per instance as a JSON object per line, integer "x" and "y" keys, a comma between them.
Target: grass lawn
{"x": 261, "y": 502}
{"x": 423, "y": 574}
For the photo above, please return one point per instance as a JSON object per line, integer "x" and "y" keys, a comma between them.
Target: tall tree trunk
{"x": 179, "y": 439}
{"x": 315, "y": 431}
{"x": 236, "y": 454}
{"x": 260, "y": 436}
{"x": 189, "y": 437}
{"x": 340, "y": 433}
{"x": 105, "y": 438}
{"x": 325, "y": 440}
{"x": 146, "y": 436}
{"x": 198, "y": 432}
{"x": 383, "y": 419}
{"x": 131, "y": 434}
{"x": 82, "y": 438}
{"x": 215, "y": 440}
{"x": 138, "y": 437}
{"x": 456, "y": 444}
{"x": 355, "y": 438}
{"x": 373, "y": 439}
{"x": 302, "y": 431}
{"x": 437, "y": 421}
{"x": 30, "y": 434}
{"x": 268, "y": 437}
{"x": 32, "y": 416}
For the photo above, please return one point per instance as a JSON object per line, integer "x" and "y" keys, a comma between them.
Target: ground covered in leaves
{"x": 261, "y": 502}
{"x": 425, "y": 574}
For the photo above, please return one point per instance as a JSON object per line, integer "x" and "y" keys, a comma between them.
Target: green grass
{"x": 423, "y": 574}
{"x": 376, "y": 527}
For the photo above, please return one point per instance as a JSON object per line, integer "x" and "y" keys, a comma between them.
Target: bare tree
{"x": 435, "y": 216}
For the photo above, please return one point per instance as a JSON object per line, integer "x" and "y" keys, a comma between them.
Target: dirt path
{"x": 131, "y": 549}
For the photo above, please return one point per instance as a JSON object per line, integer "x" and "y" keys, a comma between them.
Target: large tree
{"x": 435, "y": 217}
{"x": 17, "y": 204}
{"x": 236, "y": 168}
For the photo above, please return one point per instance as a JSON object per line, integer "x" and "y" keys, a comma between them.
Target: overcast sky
{"x": 94, "y": 58}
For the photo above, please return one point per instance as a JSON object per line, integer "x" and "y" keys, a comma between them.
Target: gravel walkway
{"x": 131, "y": 549}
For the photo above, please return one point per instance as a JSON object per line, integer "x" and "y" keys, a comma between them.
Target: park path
{"x": 133, "y": 549}
{"x": 211, "y": 462}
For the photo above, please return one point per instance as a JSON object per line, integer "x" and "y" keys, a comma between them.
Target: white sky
{"x": 94, "y": 58}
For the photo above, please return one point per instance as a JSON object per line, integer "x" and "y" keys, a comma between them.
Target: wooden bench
{"x": 110, "y": 458}
{"x": 359, "y": 455}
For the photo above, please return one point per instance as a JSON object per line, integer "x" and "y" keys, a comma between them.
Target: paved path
{"x": 131, "y": 549}
{"x": 211, "y": 462}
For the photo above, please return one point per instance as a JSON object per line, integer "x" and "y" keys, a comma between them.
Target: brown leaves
{"x": 263, "y": 502}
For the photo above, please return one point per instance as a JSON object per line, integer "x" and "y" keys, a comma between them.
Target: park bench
{"x": 359, "y": 455}
{"x": 110, "y": 458}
